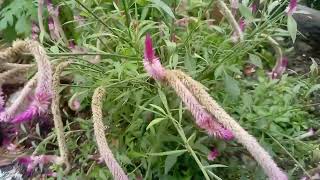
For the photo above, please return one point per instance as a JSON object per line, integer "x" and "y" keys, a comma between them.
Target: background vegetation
{"x": 140, "y": 112}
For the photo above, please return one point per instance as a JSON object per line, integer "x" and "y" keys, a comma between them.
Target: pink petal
{"x": 213, "y": 154}
{"x": 148, "y": 51}
{"x": 152, "y": 63}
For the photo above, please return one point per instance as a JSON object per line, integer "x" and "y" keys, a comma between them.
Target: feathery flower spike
{"x": 228, "y": 15}
{"x": 151, "y": 62}
{"x": 203, "y": 119}
{"x": 10, "y": 112}
{"x": 242, "y": 136}
{"x": 55, "y": 108}
{"x": 98, "y": 128}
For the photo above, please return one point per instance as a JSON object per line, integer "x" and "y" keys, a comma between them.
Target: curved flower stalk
{"x": 74, "y": 103}
{"x": 228, "y": 14}
{"x": 98, "y": 126}
{"x": 57, "y": 115}
{"x": 242, "y": 136}
{"x": 43, "y": 90}
{"x": 11, "y": 54}
{"x": 151, "y": 62}
{"x": 282, "y": 62}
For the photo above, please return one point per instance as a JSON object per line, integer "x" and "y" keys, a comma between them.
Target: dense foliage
{"x": 140, "y": 113}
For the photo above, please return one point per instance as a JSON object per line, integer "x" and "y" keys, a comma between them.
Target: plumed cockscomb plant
{"x": 199, "y": 101}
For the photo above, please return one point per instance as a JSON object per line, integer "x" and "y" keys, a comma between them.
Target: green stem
{"x": 294, "y": 159}
{"x": 88, "y": 54}
{"x": 102, "y": 22}
{"x": 185, "y": 140}
{"x": 128, "y": 19}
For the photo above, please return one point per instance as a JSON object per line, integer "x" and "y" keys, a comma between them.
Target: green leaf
{"x": 23, "y": 26}
{"x": 292, "y": 27}
{"x": 313, "y": 88}
{"x": 255, "y": 60}
{"x": 231, "y": 86}
{"x": 164, "y": 7}
{"x": 166, "y": 153}
{"x": 163, "y": 99}
{"x": 214, "y": 166}
{"x": 169, "y": 163}
{"x": 272, "y": 5}
{"x": 174, "y": 60}
{"x": 154, "y": 122}
{"x": 247, "y": 100}
{"x": 192, "y": 138}
{"x": 314, "y": 67}
{"x": 245, "y": 12}
{"x": 189, "y": 63}
{"x": 158, "y": 108}
{"x": 54, "y": 49}
{"x": 218, "y": 72}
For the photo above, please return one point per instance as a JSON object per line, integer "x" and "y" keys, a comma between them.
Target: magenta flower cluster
{"x": 39, "y": 105}
{"x": 292, "y": 7}
{"x": 152, "y": 63}
{"x": 32, "y": 162}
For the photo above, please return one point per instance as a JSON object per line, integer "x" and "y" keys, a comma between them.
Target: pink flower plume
{"x": 152, "y": 63}
{"x": 203, "y": 119}
{"x": 292, "y": 7}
